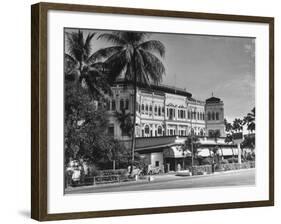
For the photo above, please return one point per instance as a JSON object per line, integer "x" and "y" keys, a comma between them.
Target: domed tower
{"x": 214, "y": 111}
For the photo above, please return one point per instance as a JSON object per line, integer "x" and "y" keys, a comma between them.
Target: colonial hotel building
{"x": 165, "y": 116}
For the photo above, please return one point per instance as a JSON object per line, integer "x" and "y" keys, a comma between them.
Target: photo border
{"x": 39, "y": 174}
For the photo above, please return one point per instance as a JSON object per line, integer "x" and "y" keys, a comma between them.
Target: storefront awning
{"x": 204, "y": 152}
{"x": 228, "y": 152}
{"x": 175, "y": 152}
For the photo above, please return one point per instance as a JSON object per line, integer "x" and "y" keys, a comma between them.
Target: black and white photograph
{"x": 157, "y": 111}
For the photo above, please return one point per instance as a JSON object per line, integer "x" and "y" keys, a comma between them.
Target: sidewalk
{"x": 157, "y": 179}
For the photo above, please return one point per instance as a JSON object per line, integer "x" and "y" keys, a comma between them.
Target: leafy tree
{"x": 133, "y": 55}
{"x": 249, "y": 142}
{"x": 86, "y": 129}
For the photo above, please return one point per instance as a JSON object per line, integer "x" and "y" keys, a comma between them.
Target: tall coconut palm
{"x": 249, "y": 120}
{"x": 84, "y": 66}
{"x": 192, "y": 144}
{"x": 215, "y": 135}
{"x": 135, "y": 56}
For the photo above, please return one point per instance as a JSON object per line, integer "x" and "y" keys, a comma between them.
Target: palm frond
{"x": 69, "y": 59}
{"x": 153, "y": 66}
{"x": 133, "y": 37}
{"x": 103, "y": 53}
{"x": 87, "y": 45}
{"x": 141, "y": 75}
{"x": 75, "y": 44}
{"x": 153, "y": 46}
{"x": 115, "y": 64}
{"x": 113, "y": 38}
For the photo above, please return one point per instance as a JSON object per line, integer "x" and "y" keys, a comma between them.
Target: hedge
{"x": 200, "y": 170}
{"x": 235, "y": 166}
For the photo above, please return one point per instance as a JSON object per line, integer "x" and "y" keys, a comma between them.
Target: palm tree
{"x": 237, "y": 125}
{"x": 228, "y": 126}
{"x": 215, "y": 134}
{"x": 86, "y": 67}
{"x": 249, "y": 120}
{"x": 124, "y": 119}
{"x": 133, "y": 55}
{"x": 192, "y": 144}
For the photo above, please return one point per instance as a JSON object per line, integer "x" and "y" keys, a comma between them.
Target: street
{"x": 232, "y": 178}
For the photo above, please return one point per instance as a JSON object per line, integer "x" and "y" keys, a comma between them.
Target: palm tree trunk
{"x": 134, "y": 114}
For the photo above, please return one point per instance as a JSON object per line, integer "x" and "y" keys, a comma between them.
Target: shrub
{"x": 199, "y": 170}
{"x": 207, "y": 161}
{"x": 224, "y": 161}
{"x": 93, "y": 170}
{"x": 232, "y": 160}
{"x": 120, "y": 172}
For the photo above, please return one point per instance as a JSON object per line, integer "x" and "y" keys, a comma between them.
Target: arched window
{"x": 201, "y": 132}
{"x": 163, "y": 110}
{"x": 159, "y": 130}
{"x": 146, "y": 107}
{"x": 217, "y": 115}
{"x": 209, "y": 115}
{"x": 107, "y": 103}
{"x": 188, "y": 114}
{"x": 127, "y": 104}
{"x": 159, "y": 111}
{"x": 203, "y": 116}
{"x": 192, "y": 131}
{"x": 150, "y": 108}
{"x": 121, "y": 104}
{"x": 142, "y": 107}
{"x": 171, "y": 114}
{"x": 213, "y": 116}
{"x": 113, "y": 105}
{"x": 155, "y": 110}
{"x": 146, "y": 129}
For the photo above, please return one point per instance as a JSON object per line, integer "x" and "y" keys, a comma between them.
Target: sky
{"x": 205, "y": 65}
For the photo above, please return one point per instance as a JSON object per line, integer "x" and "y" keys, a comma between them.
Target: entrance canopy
{"x": 175, "y": 152}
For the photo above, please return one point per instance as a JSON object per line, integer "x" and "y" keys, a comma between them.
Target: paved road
{"x": 237, "y": 178}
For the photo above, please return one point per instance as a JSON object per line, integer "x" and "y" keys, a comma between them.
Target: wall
{"x": 15, "y": 112}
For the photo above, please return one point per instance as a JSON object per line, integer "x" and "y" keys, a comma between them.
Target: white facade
{"x": 165, "y": 111}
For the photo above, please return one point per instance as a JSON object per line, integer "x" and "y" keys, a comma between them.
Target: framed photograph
{"x": 139, "y": 111}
